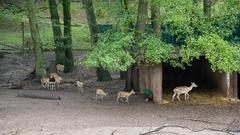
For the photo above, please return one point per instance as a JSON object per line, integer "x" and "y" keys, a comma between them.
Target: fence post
{"x": 23, "y": 37}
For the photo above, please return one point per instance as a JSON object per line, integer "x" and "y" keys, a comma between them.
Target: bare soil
{"x": 82, "y": 114}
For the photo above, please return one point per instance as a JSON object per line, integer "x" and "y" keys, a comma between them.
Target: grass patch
{"x": 80, "y": 37}
{"x": 12, "y": 38}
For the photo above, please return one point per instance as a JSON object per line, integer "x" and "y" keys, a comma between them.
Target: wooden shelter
{"x": 162, "y": 76}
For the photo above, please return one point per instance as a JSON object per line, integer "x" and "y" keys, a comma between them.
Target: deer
{"x": 60, "y": 68}
{"x": 183, "y": 90}
{"x": 101, "y": 93}
{"x": 48, "y": 83}
{"x": 45, "y": 82}
{"x": 57, "y": 78}
{"x": 80, "y": 86}
{"x": 124, "y": 94}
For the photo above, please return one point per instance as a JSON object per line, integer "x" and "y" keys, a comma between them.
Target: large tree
{"x": 102, "y": 75}
{"x": 69, "y": 64}
{"x": 142, "y": 16}
{"x": 132, "y": 80}
{"x": 40, "y": 69}
{"x": 157, "y": 70}
{"x": 57, "y": 33}
{"x": 207, "y": 8}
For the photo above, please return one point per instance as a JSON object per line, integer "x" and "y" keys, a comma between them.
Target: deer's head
{"x": 194, "y": 84}
{"x": 132, "y": 92}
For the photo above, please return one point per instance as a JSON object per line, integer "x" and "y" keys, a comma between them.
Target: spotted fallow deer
{"x": 183, "y": 90}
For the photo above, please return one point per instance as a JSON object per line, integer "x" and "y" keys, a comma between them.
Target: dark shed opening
{"x": 200, "y": 72}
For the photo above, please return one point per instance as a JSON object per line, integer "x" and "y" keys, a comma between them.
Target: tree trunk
{"x": 102, "y": 75}
{"x": 57, "y": 33}
{"x": 129, "y": 82}
{"x": 141, "y": 21}
{"x": 123, "y": 75}
{"x": 124, "y": 4}
{"x": 156, "y": 72}
{"x": 155, "y": 12}
{"x": 40, "y": 69}
{"x": 91, "y": 21}
{"x": 68, "y": 65}
{"x": 207, "y": 8}
{"x": 142, "y": 16}
{"x": 156, "y": 83}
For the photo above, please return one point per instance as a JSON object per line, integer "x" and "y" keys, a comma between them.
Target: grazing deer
{"x": 80, "y": 86}
{"x": 183, "y": 90}
{"x": 124, "y": 94}
{"x": 45, "y": 82}
{"x": 101, "y": 93}
{"x": 60, "y": 68}
{"x": 50, "y": 84}
{"x": 57, "y": 78}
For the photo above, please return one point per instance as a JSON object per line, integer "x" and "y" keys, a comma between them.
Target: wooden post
{"x": 141, "y": 79}
{"x": 232, "y": 91}
{"x": 235, "y": 84}
{"x": 156, "y": 83}
{"x": 23, "y": 37}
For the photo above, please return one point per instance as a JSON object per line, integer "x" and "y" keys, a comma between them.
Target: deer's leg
{"x": 81, "y": 90}
{"x": 173, "y": 96}
{"x": 127, "y": 100}
{"x": 117, "y": 99}
{"x": 54, "y": 86}
{"x": 178, "y": 96}
{"x": 185, "y": 96}
{"x": 102, "y": 98}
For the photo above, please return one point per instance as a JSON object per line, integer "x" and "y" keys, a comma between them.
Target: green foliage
{"x": 110, "y": 52}
{"x": 156, "y": 51}
{"x": 12, "y": 12}
{"x": 221, "y": 54}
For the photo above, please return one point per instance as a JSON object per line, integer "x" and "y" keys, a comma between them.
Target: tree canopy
{"x": 184, "y": 29}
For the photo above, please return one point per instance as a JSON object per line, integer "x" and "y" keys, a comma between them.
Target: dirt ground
{"x": 82, "y": 114}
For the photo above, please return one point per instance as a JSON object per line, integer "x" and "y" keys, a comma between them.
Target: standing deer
{"x": 79, "y": 86}
{"x": 124, "y": 94}
{"x": 183, "y": 90}
{"x": 45, "y": 82}
{"x": 101, "y": 93}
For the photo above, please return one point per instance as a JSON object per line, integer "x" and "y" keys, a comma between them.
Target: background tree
{"x": 57, "y": 33}
{"x": 132, "y": 81}
{"x": 69, "y": 64}
{"x": 207, "y": 8}
{"x": 102, "y": 74}
{"x": 40, "y": 69}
